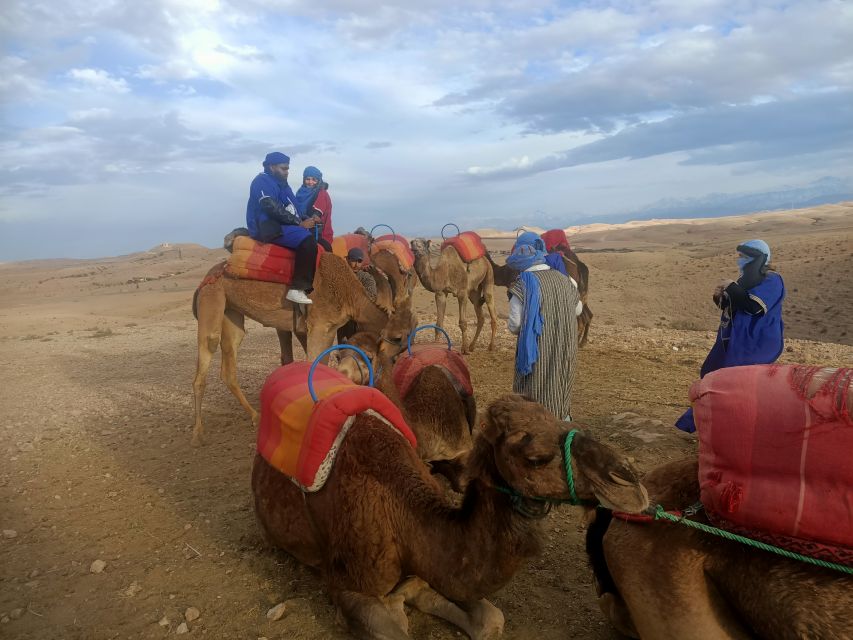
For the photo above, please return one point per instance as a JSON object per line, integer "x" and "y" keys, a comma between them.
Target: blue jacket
{"x": 265, "y": 185}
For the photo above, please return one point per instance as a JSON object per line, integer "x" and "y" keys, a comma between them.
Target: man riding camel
{"x": 271, "y": 217}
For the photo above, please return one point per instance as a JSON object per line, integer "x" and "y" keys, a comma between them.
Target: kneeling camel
{"x": 383, "y": 532}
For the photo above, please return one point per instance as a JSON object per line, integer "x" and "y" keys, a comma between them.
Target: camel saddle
{"x": 555, "y": 240}
{"x": 255, "y": 260}
{"x": 408, "y": 367}
{"x": 398, "y": 246}
{"x": 342, "y": 244}
{"x": 301, "y": 438}
{"x": 774, "y": 455}
{"x": 468, "y": 245}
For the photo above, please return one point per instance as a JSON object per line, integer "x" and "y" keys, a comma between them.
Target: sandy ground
{"x": 98, "y": 357}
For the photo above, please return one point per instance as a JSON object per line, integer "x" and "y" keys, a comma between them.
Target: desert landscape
{"x": 113, "y": 526}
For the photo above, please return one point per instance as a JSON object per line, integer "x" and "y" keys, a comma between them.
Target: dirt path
{"x": 97, "y": 466}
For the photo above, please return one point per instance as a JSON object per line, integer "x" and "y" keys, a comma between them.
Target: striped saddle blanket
{"x": 555, "y": 239}
{"x": 342, "y": 244}
{"x": 260, "y": 261}
{"x": 398, "y": 246}
{"x": 408, "y": 367}
{"x": 468, "y": 245}
{"x": 301, "y": 438}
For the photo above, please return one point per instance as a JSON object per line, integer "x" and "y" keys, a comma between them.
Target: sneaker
{"x": 299, "y": 297}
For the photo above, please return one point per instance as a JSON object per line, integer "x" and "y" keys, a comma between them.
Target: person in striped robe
{"x": 544, "y": 305}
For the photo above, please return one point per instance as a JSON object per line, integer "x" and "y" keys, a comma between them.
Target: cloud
{"x": 383, "y": 144}
{"x": 99, "y": 80}
{"x": 721, "y": 135}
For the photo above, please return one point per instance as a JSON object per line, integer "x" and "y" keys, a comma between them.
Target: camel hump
{"x": 468, "y": 245}
{"x": 301, "y": 438}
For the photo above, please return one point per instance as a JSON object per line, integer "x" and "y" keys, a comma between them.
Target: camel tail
{"x": 195, "y": 303}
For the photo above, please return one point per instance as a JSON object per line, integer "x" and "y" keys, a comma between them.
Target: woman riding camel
{"x": 543, "y": 308}
{"x": 751, "y": 329}
{"x": 312, "y": 200}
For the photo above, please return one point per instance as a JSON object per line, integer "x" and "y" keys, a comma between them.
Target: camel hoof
{"x": 198, "y": 440}
{"x": 255, "y": 418}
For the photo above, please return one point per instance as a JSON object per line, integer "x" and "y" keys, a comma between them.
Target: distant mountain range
{"x": 827, "y": 190}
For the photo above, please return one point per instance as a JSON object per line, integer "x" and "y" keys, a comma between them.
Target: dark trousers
{"x": 304, "y": 264}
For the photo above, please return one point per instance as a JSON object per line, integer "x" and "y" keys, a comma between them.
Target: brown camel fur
{"x": 221, "y": 304}
{"x": 441, "y": 417}
{"x": 664, "y": 580}
{"x": 382, "y": 519}
{"x": 473, "y": 281}
{"x": 402, "y": 280}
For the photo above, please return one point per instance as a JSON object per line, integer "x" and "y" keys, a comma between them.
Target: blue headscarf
{"x": 754, "y": 256}
{"x": 305, "y": 196}
{"x": 529, "y": 250}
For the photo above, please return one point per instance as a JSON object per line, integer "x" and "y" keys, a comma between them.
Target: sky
{"x": 130, "y": 124}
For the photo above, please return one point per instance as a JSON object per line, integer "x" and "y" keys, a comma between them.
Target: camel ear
{"x": 611, "y": 481}
{"x": 500, "y": 416}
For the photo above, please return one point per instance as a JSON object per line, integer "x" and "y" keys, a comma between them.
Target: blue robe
{"x": 265, "y": 185}
{"x": 555, "y": 261}
{"x": 744, "y": 339}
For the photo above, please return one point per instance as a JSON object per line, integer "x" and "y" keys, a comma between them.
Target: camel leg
{"x": 232, "y": 335}
{"x": 463, "y": 323}
{"x": 320, "y": 338}
{"x": 478, "y": 311}
{"x": 211, "y": 310}
{"x": 372, "y": 618}
{"x": 481, "y": 621}
{"x": 440, "y": 307}
{"x": 285, "y": 340}
{"x": 303, "y": 341}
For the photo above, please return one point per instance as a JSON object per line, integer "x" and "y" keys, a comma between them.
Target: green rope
{"x": 660, "y": 513}
{"x": 567, "y": 458}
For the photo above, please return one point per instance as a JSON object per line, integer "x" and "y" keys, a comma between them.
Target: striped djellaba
{"x": 550, "y": 382}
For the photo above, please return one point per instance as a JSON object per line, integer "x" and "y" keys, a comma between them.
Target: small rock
{"x": 16, "y": 613}
{"x": 191, "y": 614}
{"x": 26, "y": 446}
{"x": 182, "y": 628}
{"x": 675, "y": 348}
{"x": 132, "y": 590}
{"x": 277, "y": 612}
{"x": 10, "y": 533}
{"x": 33, "y": 574}
{"x": 187, "y": 527}
{"x": 97, "y": 566}
{"x": 4, "y": 619}
{"x": 164, "y": 622}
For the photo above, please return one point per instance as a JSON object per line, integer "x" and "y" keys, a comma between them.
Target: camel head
{"x": 382, "y": 348}
{"x": 351, "y": 364}
{"x": 528, "y": 453}
{"x": 420, "y": 246}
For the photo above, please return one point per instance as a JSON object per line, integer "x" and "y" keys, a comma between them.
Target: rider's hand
{"x": 310, "y": 223}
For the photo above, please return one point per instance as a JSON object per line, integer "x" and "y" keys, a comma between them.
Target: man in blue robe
{"x": 271, "y": 217}
{"x": 751, "y": 329}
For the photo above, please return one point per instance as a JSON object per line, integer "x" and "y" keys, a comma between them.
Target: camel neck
{"x": 433, "y": 279}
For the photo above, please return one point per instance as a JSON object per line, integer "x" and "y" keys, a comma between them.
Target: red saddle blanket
{"x": 407, "y": 367}
{"x": 774, "y": 455}
{"x": 301, "y": 438}
{"x": 342, "y": 244}
{"x": 397, "y": 245}
{"x": 260, "y": 261}
{"x": 468, "y": 245}
{"x": 554, "y": 239}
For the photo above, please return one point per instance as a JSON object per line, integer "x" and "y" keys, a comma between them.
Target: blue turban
{"x": 276, "y": 157}
{"x": 529, "y": 250}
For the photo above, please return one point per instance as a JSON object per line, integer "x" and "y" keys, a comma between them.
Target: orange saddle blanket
{"x": 397, "y": 245}
{"x": 301, "y": 438}
{"x": 555, "y": 239}
{"x": 407, "y": 367}
{"x": 342, "y": 244}
{"x": 468, "y": 245}
{"x": 260, "y": 261}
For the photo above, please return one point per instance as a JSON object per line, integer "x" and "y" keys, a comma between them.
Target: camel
{"x": 402, "y": 281}
{"x": 441, "y": 417}
{"x": 665, "y": 580}
{"x": 505, "y": 276}
{"x": 473, "y": 281}
{"x": 383, "y": 532}
{"x": 221, "y": 304}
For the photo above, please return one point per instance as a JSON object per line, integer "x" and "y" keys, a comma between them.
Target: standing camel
{"x": 221, "y": 304}
{"x": 473, "y": 281}
{"x": 383, "y": 532}
{"x": 709, "y": 587}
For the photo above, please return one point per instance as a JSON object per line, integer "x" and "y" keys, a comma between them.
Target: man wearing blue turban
{"x": 271, "y": 216}
{"x": 542, "y": 311}
{"x": 751, "y": 329}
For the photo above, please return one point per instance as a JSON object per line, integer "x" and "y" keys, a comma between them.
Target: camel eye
{"x": 540, "y": 461}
